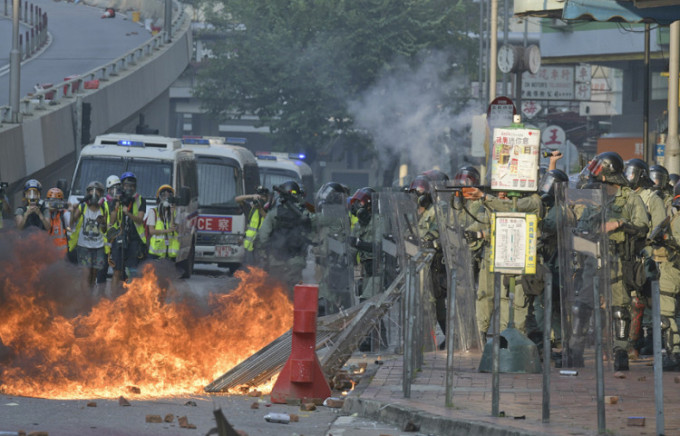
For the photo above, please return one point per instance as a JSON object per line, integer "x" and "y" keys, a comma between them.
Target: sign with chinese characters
{"x": 553, "y": 137}
{"x": 214, "y": 223}
{"x": 514, "y": 159}
{"x": 500, "y": 112}
{"x": 513, "y": 242}
{"x": 549, "y": 83}
{"x": 530, "y": 108}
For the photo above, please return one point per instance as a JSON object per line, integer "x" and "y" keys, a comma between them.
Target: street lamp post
{"x": 14, "y": 65}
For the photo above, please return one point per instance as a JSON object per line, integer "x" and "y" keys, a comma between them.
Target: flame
{"x": 152, "y": 340}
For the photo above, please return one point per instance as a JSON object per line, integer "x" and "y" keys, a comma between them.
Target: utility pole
{"x": 14, "y": 65}
{"x": 168, "y": 21}
{"x": 493, "y": 49}
{"x": 672, "y": 153}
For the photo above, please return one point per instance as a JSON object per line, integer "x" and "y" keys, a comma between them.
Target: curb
{"x": 426, "y": 422}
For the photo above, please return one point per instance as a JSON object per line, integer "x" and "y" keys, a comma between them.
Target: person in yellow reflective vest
{"x": 90, "y": 219}
{"x": 258, "y": 203}
{"x": 162, "y": 228}
{"x": 127, "y": 232}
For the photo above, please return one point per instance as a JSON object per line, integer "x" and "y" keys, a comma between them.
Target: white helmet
{"x": 112, "y": 181}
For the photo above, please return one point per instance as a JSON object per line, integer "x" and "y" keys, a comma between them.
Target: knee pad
{"x": 621, "y": 317}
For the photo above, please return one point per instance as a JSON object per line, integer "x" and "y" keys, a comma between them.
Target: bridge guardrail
{"x": 41, "y": 99}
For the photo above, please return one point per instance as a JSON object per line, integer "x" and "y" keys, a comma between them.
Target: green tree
{"x": 296, "y": 63}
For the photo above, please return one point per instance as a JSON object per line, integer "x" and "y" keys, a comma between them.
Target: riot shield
{"x": 454, "y": 216}
{"x": 334, "y": 265}
{"x": 585, "y": 271}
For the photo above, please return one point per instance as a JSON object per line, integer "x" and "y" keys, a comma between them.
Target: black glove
{"x": 471, "y": 236}
{"x": 352, "y": 241}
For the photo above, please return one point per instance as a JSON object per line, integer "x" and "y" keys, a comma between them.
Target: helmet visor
{"x": 631, "y": 174}
{"x": 32, "y": 194}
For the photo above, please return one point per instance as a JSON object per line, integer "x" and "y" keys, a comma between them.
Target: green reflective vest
{"x": 165, "y": 245}
{"x": 253, "y": 225}
{"x": 135, "y": 210}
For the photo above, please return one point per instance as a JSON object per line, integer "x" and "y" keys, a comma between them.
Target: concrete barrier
{"x": 46, "y": 143}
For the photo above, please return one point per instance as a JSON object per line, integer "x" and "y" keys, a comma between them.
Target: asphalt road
{"x": 104, "y": 417}
{"x": 80, "y": 41}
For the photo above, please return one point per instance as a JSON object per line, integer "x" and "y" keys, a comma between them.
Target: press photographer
{"x": 31, "y": 214}
{"x": 126, "y": 234}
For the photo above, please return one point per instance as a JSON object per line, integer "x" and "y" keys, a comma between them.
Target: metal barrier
{"x": 36, "y": 36}
{"x": 40, "y": 99}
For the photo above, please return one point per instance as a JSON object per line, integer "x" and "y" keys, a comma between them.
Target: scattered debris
{"x": 521, "y": 417}
{"x": 155, "y": 419}
{"x": 169, "y": 417}
{"x": 109, "y": 13}
{"x": 255, "y": 405}
{"x": 92, "y": 404}
{"x": 38, "y": 433}
{"x": 676, "y": 379}
{"x": 190, "y": 403}
{"x": 619, "y": 374}
{"x": 307, "y": 407}
{"x": 122, "y": 401}
{"x": 134, "y": 390}
{"x": 294, "y": 418}
{"x": 611, "y": 399}
{"x": 334, "y": 402}
{"x": 643, "y": 378}
{"x": 411, "y": 427}
{"x": 184, "y": 422}
{"x": 568, "y": 372}
{"x": 255, "y": 393}
{"x": 636, "y": 421}
{"x": 281, "y": 418}
{"x": 293, "y": 401}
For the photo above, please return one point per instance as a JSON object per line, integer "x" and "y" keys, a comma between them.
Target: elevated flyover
{"x": 128, "y": 69}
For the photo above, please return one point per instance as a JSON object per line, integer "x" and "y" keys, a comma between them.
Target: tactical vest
{"x": 166, "y": 245}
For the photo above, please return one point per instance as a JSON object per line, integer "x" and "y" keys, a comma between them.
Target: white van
{"x": 155, "y": 161}
{"x": 276, "y": 168}
{"x": 224, "y": 172}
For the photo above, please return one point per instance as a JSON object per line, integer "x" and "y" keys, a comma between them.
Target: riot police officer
{"x": 363, "y": 236}
{"x": 626, "y": 221}
{"x": 285, "y": 235}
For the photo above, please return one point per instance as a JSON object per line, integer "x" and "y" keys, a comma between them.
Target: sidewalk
{"x": 573, "y": 399}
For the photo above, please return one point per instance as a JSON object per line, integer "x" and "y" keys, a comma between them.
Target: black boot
{"x": 575, "y": 359}
{"x": 621, "y": 360}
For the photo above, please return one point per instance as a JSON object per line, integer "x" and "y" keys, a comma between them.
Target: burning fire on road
{"x": 59, "y": 343}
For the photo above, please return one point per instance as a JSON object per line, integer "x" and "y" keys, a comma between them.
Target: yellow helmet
{"x": 164, "y": 188}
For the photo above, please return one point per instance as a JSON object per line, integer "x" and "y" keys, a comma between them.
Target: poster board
{"x": 513, "y": 242}
{"x": 515, "y": 159}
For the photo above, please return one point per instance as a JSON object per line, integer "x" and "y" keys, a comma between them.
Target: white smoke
{"x": 407, "y": 115}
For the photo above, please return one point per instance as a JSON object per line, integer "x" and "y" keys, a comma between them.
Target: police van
{"x": 276, "y": 168}
{"x": 155, "y": 161}
{"x": 224, "y": 172}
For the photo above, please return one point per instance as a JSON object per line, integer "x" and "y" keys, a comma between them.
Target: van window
{"x": 151, "y": 174}
{"x": 187, "y": 176}
{"x": 270, "y": 177}
{"x": 219, "y": 181}
{"x": 96, "y": 168}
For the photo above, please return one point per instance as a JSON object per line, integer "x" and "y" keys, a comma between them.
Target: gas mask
{"x": 424, "y": 200}
{"x": 364, "y": 215}
{"x": 95, "y": 196}
{"x": 115, "y": 191}
{"x": 32, "y": 196}
{"x": 130, "y": 189}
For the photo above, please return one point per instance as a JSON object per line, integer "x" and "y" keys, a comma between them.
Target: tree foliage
{"x": 296, "y": 63}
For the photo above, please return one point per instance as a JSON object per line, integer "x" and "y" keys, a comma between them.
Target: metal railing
{"x": 87, "y": 82}
{"x": 35, "y": 37}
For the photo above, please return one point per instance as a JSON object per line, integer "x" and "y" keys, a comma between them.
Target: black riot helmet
{"x": 361, "y": 204}
{"x": 290, "y": 188}
{"x": 435, "y": 176}
{"x": 331, "y": 193}
{"x": 659, "y": 176}
{"x": 636, "y": 172}
{"x": 607, "y": 167}
{"x": 420, "y": 186}
{"x": 546, "y": 186}
{"x": 676, "y": 196}
{"x": 467, "y": 176}
{"x": 673, "y": 179}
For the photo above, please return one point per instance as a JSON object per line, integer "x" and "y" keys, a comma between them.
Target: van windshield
{"x": 270, "y": 177}
{"x": 219, "y": 182}
{"x": 150, "y": 173}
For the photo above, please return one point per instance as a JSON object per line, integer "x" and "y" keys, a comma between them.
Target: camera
{"x": 125, "y": 199}
{"x": 549, "y": 153}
